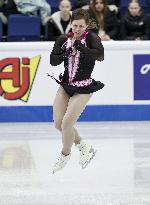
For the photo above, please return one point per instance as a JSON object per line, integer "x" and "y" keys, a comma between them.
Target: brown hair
{"x": 80, "y": 14}
{"x": 99, "y": 15}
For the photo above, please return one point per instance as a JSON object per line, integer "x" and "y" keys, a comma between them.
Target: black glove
{"x": 66, "y": 53}
{"x": 80, "y": 47}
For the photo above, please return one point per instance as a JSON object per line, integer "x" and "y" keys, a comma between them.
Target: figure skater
{"x": 78, "y": 50}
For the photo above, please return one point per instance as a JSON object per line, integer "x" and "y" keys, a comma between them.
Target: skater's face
{"x": 79, "y": 27}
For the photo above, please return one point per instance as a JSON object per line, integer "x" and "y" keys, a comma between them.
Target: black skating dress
{"x": 78, "y": 68}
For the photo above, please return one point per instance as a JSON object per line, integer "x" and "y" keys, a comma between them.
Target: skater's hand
{"x": 79, "y": 46}
{"x": 66, "y": 52}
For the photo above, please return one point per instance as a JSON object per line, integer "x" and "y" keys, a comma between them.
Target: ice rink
{"x": 118, "y": 175}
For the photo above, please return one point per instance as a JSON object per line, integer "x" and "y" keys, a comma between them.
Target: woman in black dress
{"x": 78, "y": 50}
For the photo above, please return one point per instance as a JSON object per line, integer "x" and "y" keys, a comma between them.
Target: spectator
{"x": 34, "y": 7}
{"x": 2, "y": 15}
{"x": 59, "y": 22}
{"x": 7, "y": 7}
{"x": 134, "y": 24}
{"x": 104, "y": 20}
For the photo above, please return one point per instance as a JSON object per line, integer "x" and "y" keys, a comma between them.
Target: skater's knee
{"x": 58, "y": 125}
{"x": 65, "y": 125}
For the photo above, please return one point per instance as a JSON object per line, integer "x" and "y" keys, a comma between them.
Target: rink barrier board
{"x": 126, "y": 102}
{"x": 91, "y": 113}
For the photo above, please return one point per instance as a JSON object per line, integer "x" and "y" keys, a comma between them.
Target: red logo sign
{"x": 16, "y": 77}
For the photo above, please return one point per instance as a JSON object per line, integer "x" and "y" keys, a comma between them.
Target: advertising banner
{"x": 27, "y": 93}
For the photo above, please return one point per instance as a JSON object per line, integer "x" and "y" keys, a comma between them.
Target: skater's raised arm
{"x": 57, "y": 54}
{"x": 96, "y": 49}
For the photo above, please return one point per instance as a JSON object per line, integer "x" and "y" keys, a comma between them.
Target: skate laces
{"x": 82, "y": 150}
{"x": 60, "y": 159}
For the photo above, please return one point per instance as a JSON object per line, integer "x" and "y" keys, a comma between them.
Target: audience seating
{"x": 24, "y": 28}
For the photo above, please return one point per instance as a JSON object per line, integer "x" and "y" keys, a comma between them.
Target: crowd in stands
{"x": 110, "y": 19}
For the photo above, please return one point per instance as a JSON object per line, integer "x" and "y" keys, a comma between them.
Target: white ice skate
{"x": 86, "y": 153}
{"x": 61, "y": 162}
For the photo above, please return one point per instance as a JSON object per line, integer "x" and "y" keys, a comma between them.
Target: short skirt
{"x": 71, "y": 90}
{"x": 93, "y": 87}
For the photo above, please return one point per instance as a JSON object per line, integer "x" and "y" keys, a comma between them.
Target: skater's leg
{"x": 59, "y": 109}
{"x": 75, "y": 107}
{"x": 77, "y": 137}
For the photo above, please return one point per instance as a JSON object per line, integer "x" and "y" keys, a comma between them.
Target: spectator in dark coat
{"x": 134, "y": 25}
{"x": 103, "y": 21}
{"x": 7, "y": 7}
{"x": 59, "y": 22}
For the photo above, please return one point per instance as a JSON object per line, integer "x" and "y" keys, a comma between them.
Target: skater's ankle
{"x": 78, "y": 142}
{"x": 65, "y": 154}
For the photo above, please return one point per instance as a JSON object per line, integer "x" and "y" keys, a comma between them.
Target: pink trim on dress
{"x": 82, "y": 83}
{"x": 73, "y": 61}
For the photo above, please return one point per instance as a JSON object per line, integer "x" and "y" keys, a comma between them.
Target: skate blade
{"x": 57, "y": 170}
{"x": 54, "y": 171}
{"x": 93, "y": 155}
